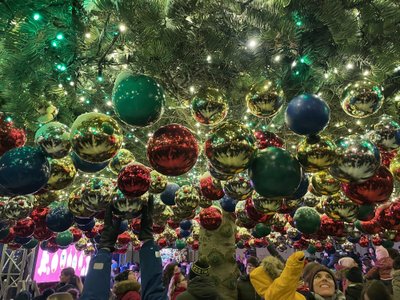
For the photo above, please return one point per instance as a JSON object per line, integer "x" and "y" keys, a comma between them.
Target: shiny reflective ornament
{"x": 187, "y": 198}
{"x": 24, "y": 170}
{"x": 96, "y": 194}
{"x": 42, "y": 233}
{"x": 158, "y": 206}
{"x": 302, "y": 189}
{"x": 138, "y": 99}
{"x": 59, "y": 218}
{"x": 46, "y": 198}
{"x": 62, "y": 173}
{"x": 54, "y": 139}
{"x": 377, "y": 189}
{"x": 172, "y": 150}
{"x": 386, "y": 218}
{"x": 134, "y": 180}
{"x": 274, "y": 172}
{"x": 217, "y": 174}
{"x": 18, "y": 207}
{"x": 168, "y": 195}
{"x": 228, "y": 204}
{"x": 366, "y": 212}
{"x": 264, "y": 100}
{"x": 119, "y": 161}
{"x": 289, "y": 205}
{"x": 357, "y": 160}
{"x": 238, "y": 188}
{"x": 24, "y": 227}
{"x": 64, "y": 238}
{"x": 362, "y": 99}
{"x": 332, "y": 227}
{"x": 395, "y": 208}
{"x": 124, "y": 205}
{"x": 76, "y": 234}
{"x": 181, "y": 213}
{"x": 387, "y": 157}
{"x": 395, "y": 167}
{"x": 76, "y": 205}
{"x": 87, "y": 167}
{"x": 307, "y": 114}
{"x": 210, "y": 218}
{"x": 265, "y": 139}
{"x": 242, "y": 218}
{"x": 31, "y": 244}
{"x": 209, "y": 107}
{"x": 310, "y": 200}
{"x": 96, "y": 137}
{"x": 386, "y": 134}
{"x": 10, "y": 136}
{"x": 252, "y": 212}
{"x": 158, "y": 182}
{"x": 230, "y": 147}
{"x": 38, "y": 214}
{"x": 293, "y": 233}
{"x": 210, "y": 188}
{"x": 341, "y": 208}
{"x": 316, "y": 154}
{"x": 324, "y": 183}
{"x": 266, "y": 205}
{"x": 204, "y": 202}
{"x": 307, "y": 220}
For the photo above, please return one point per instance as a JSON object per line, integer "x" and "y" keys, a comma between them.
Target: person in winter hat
{"x": 200, "y": 286}
{"x": 383, "y": 267}
{"x": 396, "y": 278}
{"x": 307, "y": 272}
{"x": 126, "y": 286}
{"x": 323, "y": 285}
{"x": 343, "y": 265}
{"x": 245, "y": 289}
{"x": 355, "y": 283}
{"x": 274, "y": 280}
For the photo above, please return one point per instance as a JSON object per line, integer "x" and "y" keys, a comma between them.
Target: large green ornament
{"x": 261, "y": 230}
{"x": 64, "y": 238}
{"x": 307, "y": 220}
{"x": 180, "y": 244}
{"x": 274, "y": 172}
{"x": 138, "y": 99}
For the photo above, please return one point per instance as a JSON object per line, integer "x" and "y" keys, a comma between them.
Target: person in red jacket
{"x": 177, "y": 286}
{"x": 126, "y": 286}
{"x": 383, "y": 268}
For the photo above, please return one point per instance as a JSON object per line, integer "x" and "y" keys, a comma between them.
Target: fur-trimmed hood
{"x": 272, "y": 266}
{"x": 122, "y": 287}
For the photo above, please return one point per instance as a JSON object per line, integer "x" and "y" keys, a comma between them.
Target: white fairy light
{"x": 252, "y": 43}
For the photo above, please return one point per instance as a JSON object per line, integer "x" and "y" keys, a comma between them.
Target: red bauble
{"x": 329, "y": 247}
{"x": 377, "y": 189}
{"x": 371, "y": 227}
{"x": 162, "y": 242}
{"x": 376, "y": 240}
{"x": 364, "y": 241}
{"x": 387, "y": 156}
{"x": 195, "y": 245}
{"x": 395, "y": 209}
{"x": 124, "y": 238}
{"x": 259, "y": 243}
{"x": 10, "y": 137}
{"x": 158, "y": 228}
{"x": 39, "y": 214}
{"x": 331, "y": 227}
{"x": 122, "y": 250}
{"x": 134, "y": 180}
{"x": 318, "y": 246}
{"x": 210, "y": 218}
{"x": 24, "y": 227}
{"x": 254, "y": 214}
{"x": 267, "y": 139}
{"x": 172, "y": 224}
{"x": 178, "y": 232}
{"x": 92, "y": 233}
{"x": 172, "y": 150}
{"x": 135, "y": 224}
{"x": 42, "y": 233}
{"x": 9, "y": 237}
{"x": 76, "y": 233}
{"x": 209, "y": 189}
{"x": 385, "y": 217}
{"x": 51, "y": 245}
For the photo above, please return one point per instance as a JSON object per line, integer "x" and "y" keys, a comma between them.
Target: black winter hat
{"x": 199, "y": 268}
{"x": 354, "y": 275}
{"x": 316, "y": 270}
{"x": 253, "y": 261}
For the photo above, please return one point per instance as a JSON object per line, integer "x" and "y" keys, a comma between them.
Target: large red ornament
{"x": 9, "y": 237}
{"x": 254, "y": 214}
{"x": 331, "y": 227}
{"x": 10, "y": 137}
{"x": 42, "y": 233}
{"x": 370, "y": 227}
{"x": 209, "y": 189}
{"x": 124, "y": 238}
{"x": 387, "y": 156}
{"x": 210, "y": 218}
{"x": 76, "y": 233}
{"x": 377, "y": 189}
{"x": 162, "y": 243}
{"x": 267, "y": 139}
{"x": 395, "y": 209}
{"x": 39, "y": 214}
{"x": 172, "y": 150}
{"x": 172, "y": 224}
{"x": 134, "y": 180}
{"x": 24, "y": 227}
{"x": 385, "y": 217}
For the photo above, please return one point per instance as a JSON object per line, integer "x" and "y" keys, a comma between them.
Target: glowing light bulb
{"x": 326, "y": 75}
{"x": 95, "y": 110}
{"x": 122, "y": 28}
{"x": 36, "y": 16}
{"x": 60, "y": 36}
{"x": 109, "y": 103}
{"x": 88, "y": 35}
{"x": 192, "y": 89}
{"x": 350, "y": 66}
{"x": 366, "y": 72}
{"x": 252, "y": 43}
{"x": 277, "y": 58}
{"x": 208, "y": 58}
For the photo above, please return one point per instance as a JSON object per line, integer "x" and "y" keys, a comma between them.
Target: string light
{"x": 60, "y": 36}
{"x": 335, "y": 70}
{"x": 208, "y": 58}
{"x": 122, "y": 28}
{"x": 109, "y": 103}
{"x": 71, "y": 83}
{"x": 8, "y": 119}
{"x": 60, "y": 85}
{"x": 36, "y": 16}
{"x": 277, "y": 58}
{"x": 252, "y": 43}
{"x": 366, "y": 72}
{"x": 88, "y": 35}
{"x": 192, "y": 89}
{"x": 350, "y": 66}
{"x": 326, "y": 75}
{"x": 96, "y": 110}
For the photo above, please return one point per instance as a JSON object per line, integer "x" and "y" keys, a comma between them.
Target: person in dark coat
{"x": 200, "y": 286}
{"x": 68, "y": 280}
{"x": 355, "y": 283}
{"x": 126, "y": 287}
{"x": 375, "y": 289}
{"x": 245, "y": 289}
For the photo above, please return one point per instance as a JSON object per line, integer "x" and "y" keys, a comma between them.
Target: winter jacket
{"x": 177, "y": 292}
{"x": 396, "y": 284}
{"x": 127, "y": 290}
{"x": 384, "y": 267}
{"x": 353, "y": 291}
{"x": 273, "y": 280}
{"x": 200, "y": 288}
{"x": 338, "y": 296}
{"x": 245, "y": 290}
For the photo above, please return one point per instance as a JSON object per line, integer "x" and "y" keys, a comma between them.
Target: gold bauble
{"x": 316, "y": 155}
{"x": 324, "y": 183}
{"x": 264, "y": 100}
{"x": 62, "y": 174}
{"x": 119, "y": 161}
{"x": 209, "y": 107}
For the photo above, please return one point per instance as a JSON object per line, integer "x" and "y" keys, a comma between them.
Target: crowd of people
{"x": 338, "y": 276}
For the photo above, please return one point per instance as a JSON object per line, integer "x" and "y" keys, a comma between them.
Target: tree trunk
{"x": 218, "y": 247}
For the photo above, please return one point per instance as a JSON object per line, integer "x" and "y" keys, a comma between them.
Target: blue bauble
{"x": 59, "y": 218}
{"x": 4, "y": 233}
{"x": 22, "y": 240}
{"x": 82, "y": 221}
{"x": 168, "y": 196}
{"x": 87, "y": 167}
{"x": 24, "y": 170}
{"x": 123, "y": 226}
{"x": 228, "y": 204}
{"x": 185, "y": 224}
{"x": 31, "y": 244}
{"x": 87, "y": 227}
{"x": 307, "y": 114}
{"x": 302, "y": 189}
{"x": 185, "y": 233}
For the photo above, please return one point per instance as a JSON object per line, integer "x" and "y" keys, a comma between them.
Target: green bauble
{"x": 261, "y": 230}
{"x": 31, "y": 244}
{"x": 64, "y": 238}
{"x": 138, "y": 99}
{"x": 123, "y": 158}
{"x": 274, "y": 172}
{"x": 96, "y": 137}
{"x": 180, "y": 244}
{"x": 307, "y": 220}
